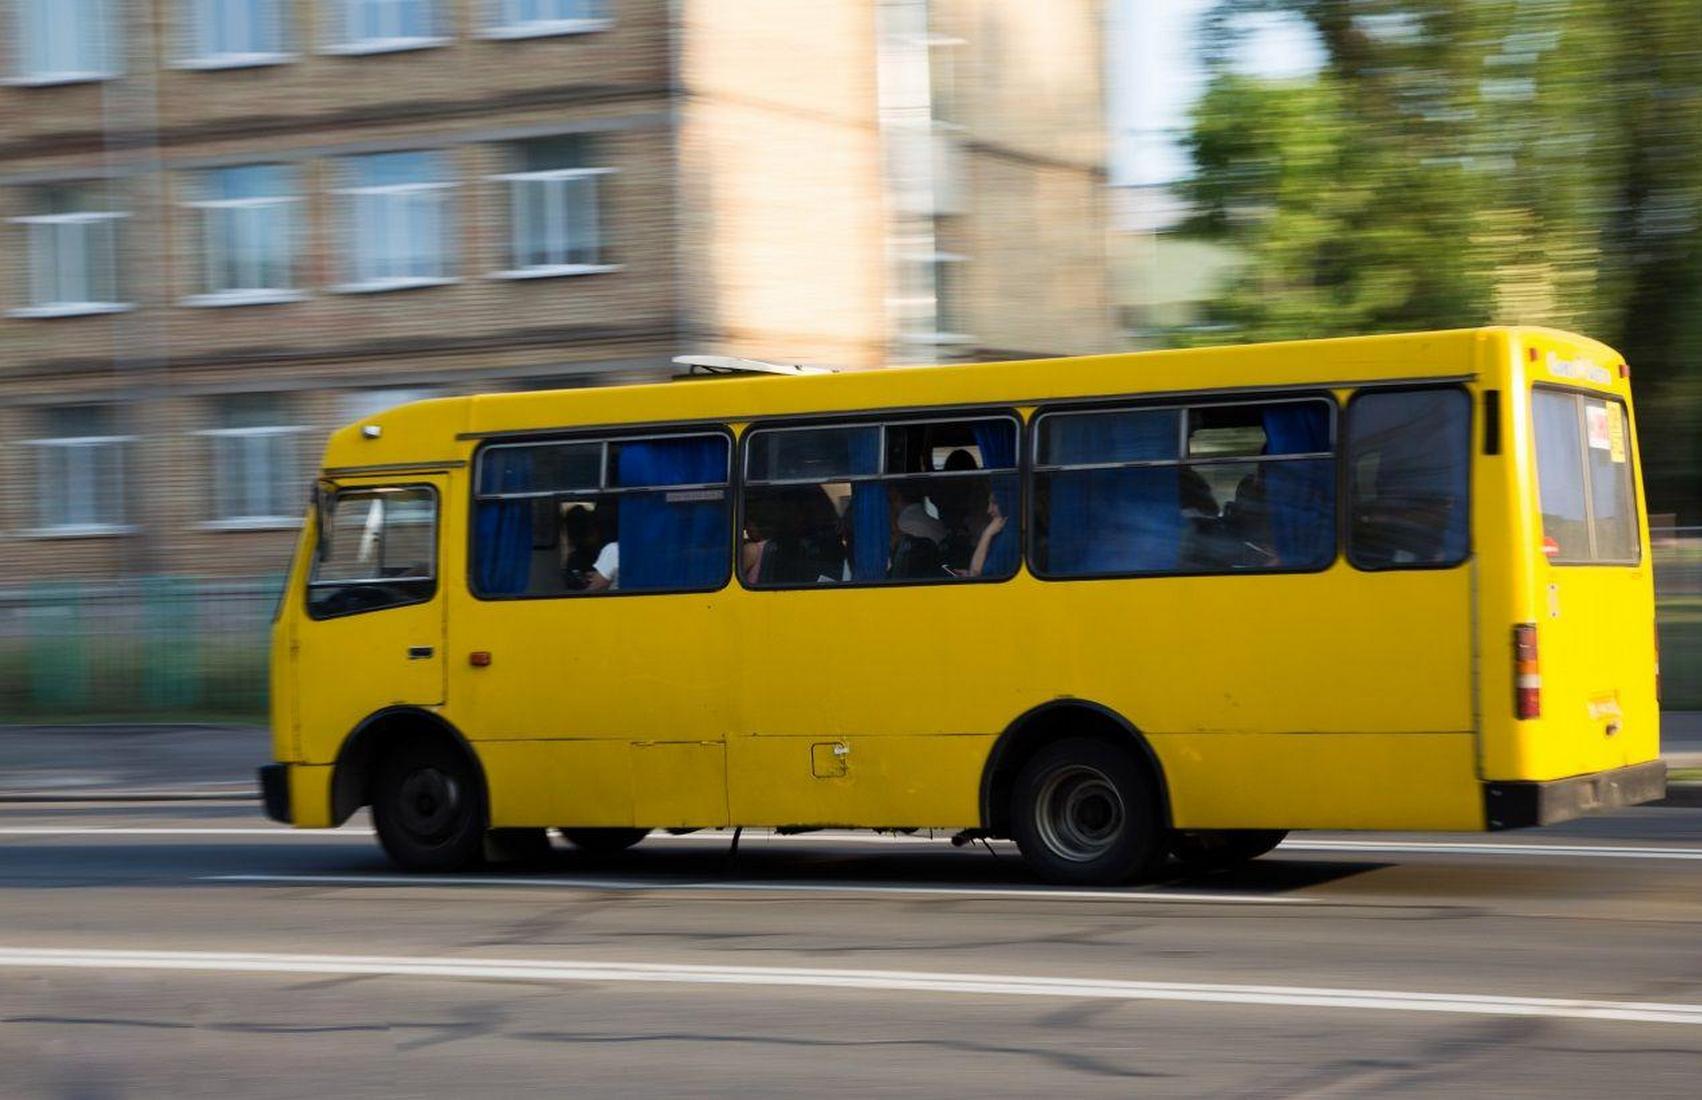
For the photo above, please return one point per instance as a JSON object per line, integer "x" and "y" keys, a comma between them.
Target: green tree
{"x": 1459, "y": 162}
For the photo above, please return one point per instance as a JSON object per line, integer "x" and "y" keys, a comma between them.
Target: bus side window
{"x": 1409, "y": 455}
{"x": 1212, "y": 488}
{"x": 905, "y": 501}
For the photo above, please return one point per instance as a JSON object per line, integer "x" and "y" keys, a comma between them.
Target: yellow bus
{"x": 1122, "y": 608}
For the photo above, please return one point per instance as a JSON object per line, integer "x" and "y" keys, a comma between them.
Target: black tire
{"x": 1086, "y": 812}
{"x": 604, "y": 842}
{"x": 1215, "y": 849}
{"x": 429, "y": 807}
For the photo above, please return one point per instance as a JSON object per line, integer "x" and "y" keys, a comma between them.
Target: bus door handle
{"x": 419, "y": 652}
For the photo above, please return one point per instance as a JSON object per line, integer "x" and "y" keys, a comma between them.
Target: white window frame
{"x": 40, "y": 230}
{"x": 251, "y": 294}
{"x": 80, "y": 446}
{"x": 103, "y": 54}
{"x": 253, "y": 480}
{"x": 399, "y": 196}
{"x": 194, "y": 27}
{"x": 343, "y": 39}
{"x": 929, "y": 303}
{"x": 504, "y": 22}
{"x": 555, "y": 221}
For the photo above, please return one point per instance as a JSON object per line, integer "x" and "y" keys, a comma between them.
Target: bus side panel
{"x": 550, "y": 783}
{"x": 870, "y": 781}
{"x": 1322, "y": 781}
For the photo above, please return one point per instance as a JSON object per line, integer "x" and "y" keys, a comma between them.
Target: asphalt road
{"x": 194, "y": 950}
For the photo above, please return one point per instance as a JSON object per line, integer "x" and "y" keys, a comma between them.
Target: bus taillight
{"x": 1527, "y": 675}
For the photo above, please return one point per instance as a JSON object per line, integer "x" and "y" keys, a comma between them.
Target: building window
{"x": 80, "y": 472}
{"x": 247, "y": 244}
{"x": 377, "y": 26}
{"x": 554, "y": 200}
{"x": 1209, "y": 489}
{"x": 536, "y": 18}
{"x": 72, "y": 240}
{"x": 253, "y": 457}
{"x": 229, "y": 33}
{"x": 398, "y": 230}
{"x": 59, "y": 41}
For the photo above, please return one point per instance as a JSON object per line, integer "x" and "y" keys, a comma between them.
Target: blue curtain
{"x": 679, "y": 543}
{"x": 997, "y": 442}
{"x": 871, "y": 520}
{"x": 1114, "y": 521}
{"x": 502, "y": 529}
{"x": 1300, "y": 495}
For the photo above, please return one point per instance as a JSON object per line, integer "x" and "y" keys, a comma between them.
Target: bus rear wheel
{"x": 427, "y": 808}
{"x": 1215, "y": 849}
{"x": 1085, "y": 812}
{"x": 604, "y": 842}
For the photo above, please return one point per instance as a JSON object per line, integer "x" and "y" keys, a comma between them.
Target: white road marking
{"x": 174, "y": 830}
{"x": 745, "y": 885}
{"x": 571, "y": 970}
{"x": 755, "y": 838}
{"x": 1419, "y": 847}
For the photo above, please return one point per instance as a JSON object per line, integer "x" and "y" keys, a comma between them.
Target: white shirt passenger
{"x": 609, "y": 563}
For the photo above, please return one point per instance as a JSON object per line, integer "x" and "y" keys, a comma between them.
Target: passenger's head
{"x": 958, "y": 461}
{"x": 578, "y": 526}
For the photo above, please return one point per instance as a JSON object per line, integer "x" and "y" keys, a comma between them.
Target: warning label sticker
{"x": 1616, "y": 433}
{"x": 1595, "y": 420}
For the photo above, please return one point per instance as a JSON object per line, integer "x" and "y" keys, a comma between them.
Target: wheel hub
{"x": 429, "y": 802}
{"x": 1080, "y": 814}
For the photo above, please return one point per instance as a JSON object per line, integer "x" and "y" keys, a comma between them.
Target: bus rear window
{"x": 1589, "y": 505}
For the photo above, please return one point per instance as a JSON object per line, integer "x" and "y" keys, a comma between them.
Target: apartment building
{"x": 230, "y": 225}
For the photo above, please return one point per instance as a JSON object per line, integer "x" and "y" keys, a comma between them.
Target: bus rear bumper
{"x": 275, "y": 791}
{"x": 1517, "y": 804}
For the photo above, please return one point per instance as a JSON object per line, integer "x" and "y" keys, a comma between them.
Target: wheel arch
{"x": 357, "y": 759}
{"x": 1040, "y": 726}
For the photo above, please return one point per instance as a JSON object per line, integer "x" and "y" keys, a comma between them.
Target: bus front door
{"x": 373, "y": 633}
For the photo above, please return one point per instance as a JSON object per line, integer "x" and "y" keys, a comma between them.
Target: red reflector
{"x": 479, "y": 658}
{"x": 1527, "y": 673}
{"x": 1530, "y": 703}
{"x": 1625, "y": 370}
{"x": 1531, "y": 354}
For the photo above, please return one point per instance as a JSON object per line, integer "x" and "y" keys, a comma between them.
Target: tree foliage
{"x": 1461, "y": 162}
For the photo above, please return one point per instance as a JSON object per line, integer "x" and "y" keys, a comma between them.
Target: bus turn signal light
{"x": 479, "y": 658}
{"x": 1527, "y": 674}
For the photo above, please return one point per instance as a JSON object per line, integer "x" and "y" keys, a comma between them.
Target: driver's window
{"x": 377, "y": 549}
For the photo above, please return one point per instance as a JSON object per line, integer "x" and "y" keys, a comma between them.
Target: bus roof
{"x": 438, "y": 428}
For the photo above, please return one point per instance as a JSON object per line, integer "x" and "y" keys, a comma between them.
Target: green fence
{"x": 177, "y": 648}
{"x": 154, "y": 648}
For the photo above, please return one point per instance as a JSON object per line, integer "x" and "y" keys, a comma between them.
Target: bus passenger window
{"x": 1408, "y": 455}
{"x": 607, "y": 516}
{"x": 1213, "y": 488}
{"x": 921, "y": 501}
{"x": 378, "y": 549}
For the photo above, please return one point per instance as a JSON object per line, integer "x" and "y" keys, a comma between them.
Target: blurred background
{"x": 230, "y": 226}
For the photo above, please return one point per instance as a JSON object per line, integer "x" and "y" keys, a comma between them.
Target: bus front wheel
{"x": 427, "y": 807}
{"x": 1085, "y": 812}
{"x": 604, "y": 842}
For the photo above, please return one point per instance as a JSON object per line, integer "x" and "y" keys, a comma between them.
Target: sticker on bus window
{"x": 1616, "y": 433}
{"x": 1595, "y": 420}
{"x": 1550, "y": 547}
